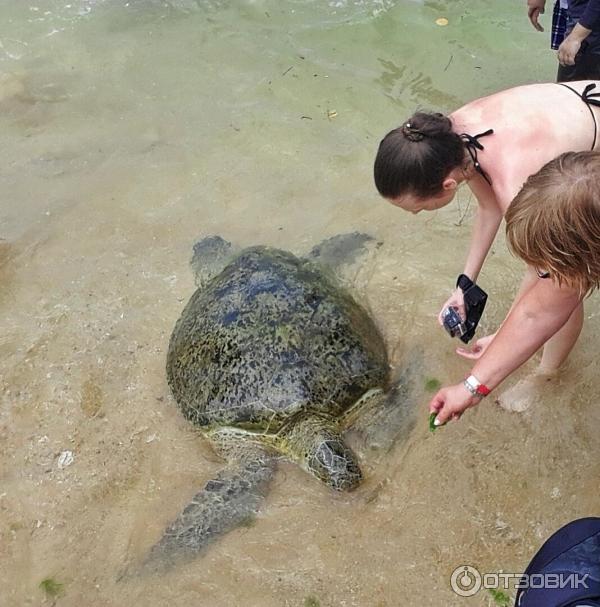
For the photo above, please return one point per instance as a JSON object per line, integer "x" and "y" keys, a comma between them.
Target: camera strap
{"x": 475, "y": 298}
{"x": 464, "y": 282}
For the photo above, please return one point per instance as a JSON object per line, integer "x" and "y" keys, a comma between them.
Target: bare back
{"x": 532, "y": 125}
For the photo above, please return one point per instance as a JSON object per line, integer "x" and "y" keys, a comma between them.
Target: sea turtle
{"x": 273, "y": 357}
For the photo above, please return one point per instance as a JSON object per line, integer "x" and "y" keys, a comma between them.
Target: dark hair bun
{"x": 417, "y": 156}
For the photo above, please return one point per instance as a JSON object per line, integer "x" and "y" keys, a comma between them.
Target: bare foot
{"x": 524, "y": 393}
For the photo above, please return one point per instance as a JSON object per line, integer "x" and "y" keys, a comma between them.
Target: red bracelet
{"x": 475, "y": 387}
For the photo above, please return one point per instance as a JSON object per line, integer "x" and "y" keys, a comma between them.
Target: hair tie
{"x": 411, "y": 133}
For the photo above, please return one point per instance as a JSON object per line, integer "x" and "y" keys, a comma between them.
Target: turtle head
{"x": 334, "y": 463}
{"x": 320, "y": 450}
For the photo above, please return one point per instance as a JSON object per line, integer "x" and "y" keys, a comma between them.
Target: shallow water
{"x": 129, "y": 130}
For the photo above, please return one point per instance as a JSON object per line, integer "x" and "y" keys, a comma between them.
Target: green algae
{"x": 51, "y": 587}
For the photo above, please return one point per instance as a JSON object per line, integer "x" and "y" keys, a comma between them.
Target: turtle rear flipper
{"x": 230, "y": 500}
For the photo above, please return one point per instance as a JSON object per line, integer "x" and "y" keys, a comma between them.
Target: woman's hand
{"x": 477, "y": 349}
{"x": 456, "y": 300}
{"x": 450, "y": 403}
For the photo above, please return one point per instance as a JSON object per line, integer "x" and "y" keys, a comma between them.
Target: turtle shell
{"x": 271, "y": 336}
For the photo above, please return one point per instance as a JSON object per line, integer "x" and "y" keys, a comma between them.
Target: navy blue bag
{"x": 566, "y": 570}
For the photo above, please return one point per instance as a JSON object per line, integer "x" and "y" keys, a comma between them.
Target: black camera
{"x": 475, "y": 298}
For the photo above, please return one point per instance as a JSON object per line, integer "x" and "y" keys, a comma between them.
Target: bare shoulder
{"x": 516, "y": 101}
{"x": 539, "y": 97}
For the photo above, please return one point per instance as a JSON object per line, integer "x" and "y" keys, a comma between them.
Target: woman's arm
{"x": 487, "y": 221}
{"x": 536, "y": 317}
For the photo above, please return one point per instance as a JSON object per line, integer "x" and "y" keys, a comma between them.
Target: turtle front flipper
{"x": 230, "y": 500}
{"x": 211, "y": 255}
{"x": 381, "y": 419}
{"x": 344, "y": 255}
{"x": 341, "y": 250}
{"x": 316, "y": 446}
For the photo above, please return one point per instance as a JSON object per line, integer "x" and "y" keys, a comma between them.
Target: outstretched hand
{"x": 477, "y": 349}
{"x": 451, "y": 402}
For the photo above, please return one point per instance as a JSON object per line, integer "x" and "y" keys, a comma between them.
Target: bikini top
{"x": 589, "y": 99}
{"x": 472, "y": 144}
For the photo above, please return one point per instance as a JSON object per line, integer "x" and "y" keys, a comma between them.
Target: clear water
{"x": 129, "y": 130}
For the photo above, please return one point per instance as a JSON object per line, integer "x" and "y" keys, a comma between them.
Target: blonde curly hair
{"x": 553, "y": 223}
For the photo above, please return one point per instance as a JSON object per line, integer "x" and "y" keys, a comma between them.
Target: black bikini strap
{"x": 472, "y": 144}
{"x": 569, "y": 87}
{"x": 592, "y": 99}
{"x": 472, "y": 139}
{"x": 589, "y": 99}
